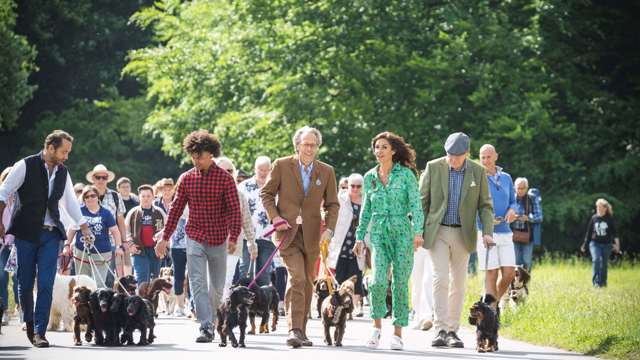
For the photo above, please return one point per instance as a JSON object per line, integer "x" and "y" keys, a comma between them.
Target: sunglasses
{"x": 101, "y": 177}
{"x": 230, "y": 171}
{"x": 91, "y": 196}
{"x": 356, "y": 186}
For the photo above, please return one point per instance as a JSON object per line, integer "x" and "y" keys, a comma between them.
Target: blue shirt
{"x": 503, "y": 195}
{"x": 456, "y": 178}
{"x": 306, "y": 175}
{"x": 99, "y": 224}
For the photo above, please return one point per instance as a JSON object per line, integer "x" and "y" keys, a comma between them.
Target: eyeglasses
{"x": 309, "y": 145}
{"x": 230, "y": 171}
{"x": 101, "y": 177}
{"x": 90, "y": 196}
{"x": 356, "y": 186}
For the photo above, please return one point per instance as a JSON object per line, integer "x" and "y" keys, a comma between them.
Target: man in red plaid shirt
{"x": 212, "y": 228}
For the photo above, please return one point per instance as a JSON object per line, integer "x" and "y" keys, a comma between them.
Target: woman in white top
{"x": 341, "y": 257}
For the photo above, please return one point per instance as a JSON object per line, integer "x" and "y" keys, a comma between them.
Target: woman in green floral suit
{"x": 391, "y": 205}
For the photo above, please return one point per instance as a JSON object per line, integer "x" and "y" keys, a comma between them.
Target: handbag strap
{"x": 526, "y": 211}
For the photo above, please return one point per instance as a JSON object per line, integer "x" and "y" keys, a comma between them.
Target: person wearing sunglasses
{"x": 93, "y": 261}
{"x": 100, "y": 177}
{"x": 43, "y": 186}
{"x": 341, "y": 257}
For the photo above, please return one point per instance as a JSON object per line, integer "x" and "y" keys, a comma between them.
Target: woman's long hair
{"x": 606, "y": 205}
{"x": 405, "y": 154}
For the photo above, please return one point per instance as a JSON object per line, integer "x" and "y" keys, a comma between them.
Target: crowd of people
{"x": 400, "y": 227}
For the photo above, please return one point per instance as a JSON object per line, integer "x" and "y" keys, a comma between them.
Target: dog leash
{"x": 92, "y": 264}
{"x": 285, "y": 237}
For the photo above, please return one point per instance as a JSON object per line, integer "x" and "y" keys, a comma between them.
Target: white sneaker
{"x": 179, "y": 312}
{"x": 374, "y": 341}
{"x": 396, "y": 343}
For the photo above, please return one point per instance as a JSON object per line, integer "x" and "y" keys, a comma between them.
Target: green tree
{"x": 16, "y": 64}
{"x": 531, "y": 77}
{"x": 111, "y": 132}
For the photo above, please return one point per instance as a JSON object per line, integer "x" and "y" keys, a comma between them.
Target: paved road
{"x": 176, "y": 339}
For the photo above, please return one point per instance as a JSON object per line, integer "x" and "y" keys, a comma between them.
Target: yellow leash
{"x": 324, "y": 255}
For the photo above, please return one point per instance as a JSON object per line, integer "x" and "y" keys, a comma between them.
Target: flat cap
{"x": 457, "y": 144}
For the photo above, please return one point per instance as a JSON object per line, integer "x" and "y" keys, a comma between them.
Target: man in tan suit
{"x": 454, "y": 189}
{"x": 294, "y": 192}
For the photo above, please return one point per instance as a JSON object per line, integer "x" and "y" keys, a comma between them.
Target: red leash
{"x": 268, "y": 262}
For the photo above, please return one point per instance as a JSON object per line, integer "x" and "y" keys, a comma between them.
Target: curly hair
{"x": 405, "y": 154}
{"x": 199, "y": 141}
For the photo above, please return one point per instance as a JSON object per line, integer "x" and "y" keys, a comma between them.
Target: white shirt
{"x": 68, "y": 201}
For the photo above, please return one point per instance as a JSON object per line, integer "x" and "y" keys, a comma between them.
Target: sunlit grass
{"x": 565, "y": 311}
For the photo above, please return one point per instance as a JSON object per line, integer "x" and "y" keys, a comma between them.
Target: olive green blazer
{"x": 474, "y": 199}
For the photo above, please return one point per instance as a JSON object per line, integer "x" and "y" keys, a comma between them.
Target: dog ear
{"x": 72, "y": 284}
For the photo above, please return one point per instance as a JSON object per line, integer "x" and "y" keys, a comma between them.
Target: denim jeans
{"x": 206, "y": 263}
{"x": 42, "y": 256}
{"x": 147, "y": 266}
{"x": 265, "y": 248}
{"x": 600, "y": 257}
{"x": 179, "y": 261}
{"x": 524, "y": 254}
{"x": 4, "y": 279}
{"x": 280, "y": 277}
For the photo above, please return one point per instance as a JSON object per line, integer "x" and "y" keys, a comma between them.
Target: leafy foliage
{"x": 16, "y": 64}
{"x": 110, "y": 132}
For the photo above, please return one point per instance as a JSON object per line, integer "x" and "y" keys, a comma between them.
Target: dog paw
{"x": 243, "y": 345}
{"x": 235, "y": 345}
{"x": 77, "y": 343}
{"x": 222, "y": 344}
{"x": 251, "y": 332}
{"x": 339, "y": 344}
{"x": 327, "y": 342}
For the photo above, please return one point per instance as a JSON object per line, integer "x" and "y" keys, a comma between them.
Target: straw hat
{"x": 100, "y": 169}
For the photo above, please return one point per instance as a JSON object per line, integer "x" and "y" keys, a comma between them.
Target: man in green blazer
{"x": 454, "y": 190}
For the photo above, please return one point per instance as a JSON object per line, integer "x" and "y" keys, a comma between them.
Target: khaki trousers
{"x": 449, "y": 259}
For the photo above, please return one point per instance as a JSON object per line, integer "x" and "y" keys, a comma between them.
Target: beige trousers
{"x": 449, "y": 259}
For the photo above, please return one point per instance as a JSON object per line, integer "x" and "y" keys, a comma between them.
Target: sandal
{"x": 374, "y": 341}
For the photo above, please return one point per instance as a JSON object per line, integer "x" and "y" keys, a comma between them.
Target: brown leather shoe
{"x": 29, "y": 329}
{"x": 306, "y": 341}
{"x": 295, "y": 338}
{"x": 40, "y": 341}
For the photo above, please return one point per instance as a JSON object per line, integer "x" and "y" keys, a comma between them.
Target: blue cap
{"x": 457, "y": 144}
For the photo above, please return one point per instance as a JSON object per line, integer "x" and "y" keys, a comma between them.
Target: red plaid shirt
{"x": 214, "y": 207}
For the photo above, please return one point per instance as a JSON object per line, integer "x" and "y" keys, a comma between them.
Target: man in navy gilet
{"x": 43, "y": 186}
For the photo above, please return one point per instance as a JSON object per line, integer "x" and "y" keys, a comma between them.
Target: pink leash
{"x": 268, "y": 262}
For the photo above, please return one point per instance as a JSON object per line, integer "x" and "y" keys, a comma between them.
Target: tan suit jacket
{"x": 474, "y": 198}
{"x": 283, "y": 195}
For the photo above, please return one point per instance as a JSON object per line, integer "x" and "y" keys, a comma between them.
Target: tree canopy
{"x": 534, "y": 78}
